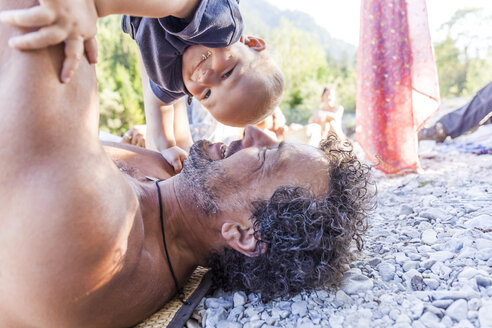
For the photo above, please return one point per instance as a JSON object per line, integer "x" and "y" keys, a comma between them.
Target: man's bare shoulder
{"x": 64, "y": 235}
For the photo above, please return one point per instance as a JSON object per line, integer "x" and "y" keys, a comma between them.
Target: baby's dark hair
{"x": 307, "y": 237}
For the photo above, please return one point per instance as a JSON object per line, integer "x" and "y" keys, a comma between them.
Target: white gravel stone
{"x": 429, "y": 237}
{"x": 483, "y": 281}
{"x": 236, "y": 314}
{"x": 354, "y": 282}
{"x": 403, "y": 318}
{"x": 474, "y": 304}
{"x": 239, "y": 299}
{"x": 387, "y": 271}
{"x": 252, "y": 313}
{"x": 483, "y": 221}
{"x": 468, "y": 273}
{"x": 229, "y": 324}
{"x": 402, "y": 325}
{"x": 441, "y": 256}
{"x": 342, "y": 298}
{"x": 217, "y": 302}
{"x": 482, "y": 243}
{"x": 416, "y": 309}
{"x": 336, "y": 320}
{"x": 467, "y": 252}
{"x": 299, "y": 308}
{"x": 442, "y": 304}
{"x": 464, "y": 324}
{"x": 214, "y": 315}
{"x": 465, "y": 293}
{"x": 394, "y": 314}
{"x": 408, "y": 265}
{"x": 408, "y": 276}
{"x": 418, "y": 324}
{"x": 253, "y": 324}
{"x": 454, "y": 245}
{"x": 458, "y": 310}
{"x": 432, "y": 283}
{"x": 427, "y": 264}
{"x": 484, "y": 254}
{"x": 447, "y": 321}
{"x": 433, "y": 213}
{"x": 405, "y": 210}
{"x": 485, "y": 314}
{"x": 472, "y": 315}
{"x": 308, "y": 324}
{"x": 401, "y": 258}
{"x": 429, "y": 320}
{"x": 425, "y": 249}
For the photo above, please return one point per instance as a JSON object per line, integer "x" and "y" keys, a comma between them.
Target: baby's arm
{"x": 182, "y": 132}
{"x": 74, "y": 22}
{"x": 148, "y": 8}
{"x": 160, "y": 125}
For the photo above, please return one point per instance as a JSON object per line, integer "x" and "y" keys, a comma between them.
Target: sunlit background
{"x": 315, "y": 42}
{"x": 341, "y": 18}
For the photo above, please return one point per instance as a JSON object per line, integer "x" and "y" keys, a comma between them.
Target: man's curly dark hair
{"x": 307, "y": 238}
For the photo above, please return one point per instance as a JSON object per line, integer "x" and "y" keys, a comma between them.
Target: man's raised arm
{"x": 65, "y": 210}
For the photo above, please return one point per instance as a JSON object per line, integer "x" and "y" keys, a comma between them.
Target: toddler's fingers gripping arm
{"x": 175, "y": 156}
{"x": 72, "y": 22}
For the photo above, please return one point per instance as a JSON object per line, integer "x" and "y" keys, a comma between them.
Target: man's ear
{"x": 254, "y": 43}
{"x": 239, "y": 237}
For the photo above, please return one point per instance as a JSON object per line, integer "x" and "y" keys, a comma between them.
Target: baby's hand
{"x": 135, "y": 136}
{"x": 175, "y": 156}
{"x": 72, "y": 22}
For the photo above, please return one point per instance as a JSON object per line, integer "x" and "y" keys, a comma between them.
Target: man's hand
{"x": 175, "y": 156}
{"x": 72, "y": 22}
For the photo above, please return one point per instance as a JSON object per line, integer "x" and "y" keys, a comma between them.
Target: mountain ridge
{"x": 263, "y": 15}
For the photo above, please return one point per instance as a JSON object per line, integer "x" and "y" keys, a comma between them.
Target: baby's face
{"x": 222, "y": 80}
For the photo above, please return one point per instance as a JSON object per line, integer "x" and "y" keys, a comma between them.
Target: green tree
{"x": 307, "y": 69}
{"x": 451, "y": 68}
{"x": 463, "y": 63}
{"x": 120, "y": 89}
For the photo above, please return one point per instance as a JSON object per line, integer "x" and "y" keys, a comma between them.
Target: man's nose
{"x": 254, "y": 137}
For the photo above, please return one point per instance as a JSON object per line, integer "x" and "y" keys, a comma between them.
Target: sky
{"x": 341, "y": 17}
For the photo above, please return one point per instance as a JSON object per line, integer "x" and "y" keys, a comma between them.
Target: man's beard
{"x": 202, "y": 175}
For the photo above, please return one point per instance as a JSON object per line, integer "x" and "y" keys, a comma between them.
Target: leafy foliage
{"x": 463, "y": 63}
{"x": 307, "y": 69}
{"x": 120, "y": 89}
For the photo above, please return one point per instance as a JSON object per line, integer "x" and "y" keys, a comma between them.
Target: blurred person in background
{"x": 476, "y": 112}
{"x": 329, "y": 116}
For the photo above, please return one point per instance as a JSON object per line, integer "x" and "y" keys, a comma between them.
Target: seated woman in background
{"x": 329, "y": 116}
{"x": 275, "y": 126}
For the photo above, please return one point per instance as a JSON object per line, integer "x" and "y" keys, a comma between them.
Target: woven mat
{"x": 175, "y": 313}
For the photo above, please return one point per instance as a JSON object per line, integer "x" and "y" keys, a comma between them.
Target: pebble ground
{"x": 427, "y": 260}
